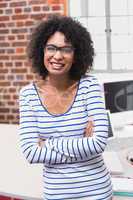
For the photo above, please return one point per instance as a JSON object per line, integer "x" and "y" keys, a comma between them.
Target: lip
{"x": 57, "y": 65}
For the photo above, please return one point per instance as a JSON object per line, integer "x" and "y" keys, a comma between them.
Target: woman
{"x": 63, "y": 123}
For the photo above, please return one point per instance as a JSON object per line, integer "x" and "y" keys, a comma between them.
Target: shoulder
{"x": 89, "y": 80}
{"x": 27, "y": 90}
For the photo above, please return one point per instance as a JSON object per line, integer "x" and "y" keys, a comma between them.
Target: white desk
{"x": 122, "y": 143}
{"x": 18, "y": 178}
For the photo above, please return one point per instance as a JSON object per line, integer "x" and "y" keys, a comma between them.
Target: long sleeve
{"x": 83, "y": 148}
{"x": 64, "y": 149}
{"x": 29, "y": 137}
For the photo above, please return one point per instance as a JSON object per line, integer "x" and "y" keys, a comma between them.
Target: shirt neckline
{"x": 45, "y": 108}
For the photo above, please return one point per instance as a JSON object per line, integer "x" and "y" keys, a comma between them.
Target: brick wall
{"x": 17, "y": 18}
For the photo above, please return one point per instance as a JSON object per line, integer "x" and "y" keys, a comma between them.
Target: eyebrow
{"x": 59, "y": 46}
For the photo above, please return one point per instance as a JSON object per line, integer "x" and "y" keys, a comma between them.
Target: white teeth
{"x": 57, "y": 65}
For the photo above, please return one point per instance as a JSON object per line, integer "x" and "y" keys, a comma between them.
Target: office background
{"x": 109, "y": 22}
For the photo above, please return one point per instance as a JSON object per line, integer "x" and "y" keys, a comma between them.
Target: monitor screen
{"x": 119, "y": 96}
{"x": 119, "y": 101}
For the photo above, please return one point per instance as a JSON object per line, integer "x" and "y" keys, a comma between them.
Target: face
{"x": 58, "y": 55}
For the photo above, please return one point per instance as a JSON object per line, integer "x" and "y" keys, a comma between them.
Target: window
{"x": 110, "y": 24}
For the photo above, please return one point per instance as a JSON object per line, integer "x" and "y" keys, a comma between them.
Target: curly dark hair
{"x": 74, "y": 32}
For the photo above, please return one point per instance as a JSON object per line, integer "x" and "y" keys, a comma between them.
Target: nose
{"x": 58, "y": 55}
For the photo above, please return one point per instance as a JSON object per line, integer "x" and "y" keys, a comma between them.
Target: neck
{"x": 60, "y": 83}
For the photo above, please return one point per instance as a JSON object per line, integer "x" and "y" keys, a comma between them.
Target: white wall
{"x": 109, "y": 77}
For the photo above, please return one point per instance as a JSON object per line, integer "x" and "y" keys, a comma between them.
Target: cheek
{"x": 45, "y": 60}
{"x": 71, "y": 61}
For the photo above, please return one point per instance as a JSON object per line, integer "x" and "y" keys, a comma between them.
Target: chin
{"x": 55, "y": 72}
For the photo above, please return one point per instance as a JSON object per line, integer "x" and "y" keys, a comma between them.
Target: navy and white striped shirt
{"x": 73, "y": 164}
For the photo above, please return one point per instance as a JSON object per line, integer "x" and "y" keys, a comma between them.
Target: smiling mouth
{"x": 57, "y": 65}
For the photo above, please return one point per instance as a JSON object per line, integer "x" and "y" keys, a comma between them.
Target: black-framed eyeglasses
{"x": 52, "y": 49}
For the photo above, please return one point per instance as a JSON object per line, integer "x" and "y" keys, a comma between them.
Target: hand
{"x": 89, "y": 129}
{"x": 41, "y": 142}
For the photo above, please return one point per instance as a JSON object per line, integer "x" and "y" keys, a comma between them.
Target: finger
{"x": 90, "y": 123}
{"x": 41, "y": 142}
{"x": 89, "y": 128}
{"x": 89, "y": 132}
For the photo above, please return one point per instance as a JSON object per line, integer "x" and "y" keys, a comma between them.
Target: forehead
{"x": 58, "y": 38}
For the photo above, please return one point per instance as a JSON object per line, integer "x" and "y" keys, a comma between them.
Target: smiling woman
{"x": 58, "y": 56}
{"x": 63, "y": 122}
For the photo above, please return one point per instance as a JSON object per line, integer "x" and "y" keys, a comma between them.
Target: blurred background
{"x": 109, "y": 22}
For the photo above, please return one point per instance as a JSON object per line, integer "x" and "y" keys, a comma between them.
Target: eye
{"x": 50, "y": 48}
{"x": 67, "y": 49}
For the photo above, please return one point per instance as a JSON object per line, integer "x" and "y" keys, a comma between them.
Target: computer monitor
{"x": 119, "y": 100}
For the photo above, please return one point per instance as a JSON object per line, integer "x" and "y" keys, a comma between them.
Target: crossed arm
{"x": 50, "y": 151}
{"x": 63, "y": 150}
{"x": 88, "y": 133}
